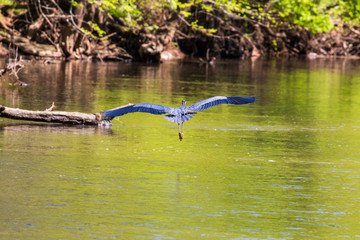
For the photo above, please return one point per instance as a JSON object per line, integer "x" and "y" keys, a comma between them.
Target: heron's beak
{"x": 181, "y": 136}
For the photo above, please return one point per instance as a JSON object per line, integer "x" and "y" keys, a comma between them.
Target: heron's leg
{"x": 180, "y": 134}
{"x": 182, "y": 127}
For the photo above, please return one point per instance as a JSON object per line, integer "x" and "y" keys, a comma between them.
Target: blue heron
{"x": 177, "y": 115}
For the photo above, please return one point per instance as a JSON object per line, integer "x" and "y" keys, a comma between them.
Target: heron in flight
{"x": 180, "y": 114}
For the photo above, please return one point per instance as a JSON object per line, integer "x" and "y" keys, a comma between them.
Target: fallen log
{"x": 50, "y": 116}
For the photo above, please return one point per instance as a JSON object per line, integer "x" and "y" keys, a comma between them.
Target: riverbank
{"x": 59, "y": 29}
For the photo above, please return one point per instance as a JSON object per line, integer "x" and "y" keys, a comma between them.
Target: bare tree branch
{"x": 42, "y": 13}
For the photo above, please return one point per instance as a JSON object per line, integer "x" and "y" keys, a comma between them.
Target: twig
{"x": 109, "y": 35}
{"x": 73, "y": 22}
{"x": 183, "y": 19}
{"x": 42, "y": 13}
{"x": 354, "y": 31}
{"x": 57, "y": 6}
{"x": 15, "y": 66}
{"x": 100, "y": 57}
{"x": 49, "y": 39}
{"x": 51, "y": 108}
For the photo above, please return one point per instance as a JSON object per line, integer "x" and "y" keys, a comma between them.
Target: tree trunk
{"x": 53, "y": 116}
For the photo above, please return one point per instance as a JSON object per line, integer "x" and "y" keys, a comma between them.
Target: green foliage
{"x": 124, "y": 9}
{"x": 206, "y": 8}
{"x": 6, "y": 2}
{"x": 314, "y": 15}
{"x": 94, "y": 28}
{"x": 152, "y": 28}
{"x": 97, "y": 29}
{"x": 202, "y": 29}
{"x": 350, "y": 11}
{"x": 76, "y": 4}
{"x": 304, "y": 13}
{"x": 274, "y": 43}
{"x": 246, "y": 9}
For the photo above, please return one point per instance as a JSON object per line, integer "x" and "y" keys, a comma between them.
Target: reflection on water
{"x": 55, "y": 128}
{"x": 286, "y": 167}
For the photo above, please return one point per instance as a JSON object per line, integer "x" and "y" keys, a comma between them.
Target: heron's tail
{"x": 179, "y": 118}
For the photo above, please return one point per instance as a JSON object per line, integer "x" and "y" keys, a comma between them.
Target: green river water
{"x": 285, "y": 167}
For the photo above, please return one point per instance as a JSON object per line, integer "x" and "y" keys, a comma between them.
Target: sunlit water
{"x": 286, "y": 167}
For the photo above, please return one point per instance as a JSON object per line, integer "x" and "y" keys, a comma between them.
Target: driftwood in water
{"x": 50, "y": 116}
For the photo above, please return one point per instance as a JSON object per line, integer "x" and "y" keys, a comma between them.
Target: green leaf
{"x": 76, "y": 4}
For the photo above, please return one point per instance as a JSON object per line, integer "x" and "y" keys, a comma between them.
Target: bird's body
{"x": 180, "y": 114}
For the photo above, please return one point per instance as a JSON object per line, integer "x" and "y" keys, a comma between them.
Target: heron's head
{"x": 183, "y": 103}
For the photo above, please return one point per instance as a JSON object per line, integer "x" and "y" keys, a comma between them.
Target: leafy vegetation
{"x": 314, "y": 15}
{"x": 350, "y": 11}
{"x": 6, "y": 2}
{"x": 229, "y": 28}
{"x": 304, "y": 13}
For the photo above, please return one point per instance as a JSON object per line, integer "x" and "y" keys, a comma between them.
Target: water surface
{"x": 286, "y": 167}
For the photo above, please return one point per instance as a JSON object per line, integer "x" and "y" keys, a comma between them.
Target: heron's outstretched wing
{"x": 210, "y": 102}
{"x": 141, "y": 107}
